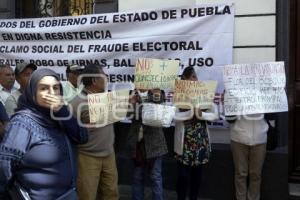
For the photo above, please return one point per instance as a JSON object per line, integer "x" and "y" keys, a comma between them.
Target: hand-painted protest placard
{"x": 255, "y": 88}
{"x": 109, "y": 107}
{"x": 156, "y": 73}
{"x": 190, "y": 94}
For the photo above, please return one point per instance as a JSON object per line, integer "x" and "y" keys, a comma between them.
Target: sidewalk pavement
{"x": 125, "y": 193}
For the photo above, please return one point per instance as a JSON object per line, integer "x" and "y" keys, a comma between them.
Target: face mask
{"x": 143, "y": 95}
{"x": 156, "y": 98}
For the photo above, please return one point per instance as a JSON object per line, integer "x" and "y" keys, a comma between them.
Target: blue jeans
{"x": 153, "y": 169}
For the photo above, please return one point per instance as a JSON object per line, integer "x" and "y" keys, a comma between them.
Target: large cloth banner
{"x": 255, "y": 88}
{"x": 108, "y": 107}
{"x": 156, "y": 73}
{"x": 189, "y": 94}
{"x": 199, "y": 36}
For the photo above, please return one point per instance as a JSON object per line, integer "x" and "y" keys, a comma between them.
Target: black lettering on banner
{"x": 47, "y": 49}
{"x": 201, "y": 62}
{"x": 81, "y": 35}
{"x": 28, "y": 36}
{"x": 27, "y": 24}
{"x": 112, "y": 78}
{"x": 11, "y": 61}
{"x": 167, "y": 46}
{"x": 45, "y": 62}
{"x": 62, "y": 63}
{"x": 102, "y": 19}
{"x": 82, "y": 62}
{"x": 8, "y": 24}
{"x": 14, "y": 49}
{"x": 57, "y": 22}
{"x": 168, "y": 14}
{"x": 7, "y": 36}
{"x": 135, "y": 17}
{"x": 97, "y": 48}
{"x": 75, "y": 49}
{"x": 205, "y": 11}
{"x": 125, "y": 62}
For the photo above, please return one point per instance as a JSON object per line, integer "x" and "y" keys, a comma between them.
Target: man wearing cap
{"x": 7, "y": 80}
{"x": 23, "y": 72}
{"x": 71, "y": 87}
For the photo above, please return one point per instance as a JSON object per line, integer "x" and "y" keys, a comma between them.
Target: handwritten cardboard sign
{"x": 194, "y": 94}
{"x": 109, "y": 107}
{"x": 156, "y": 73}
{"x": 255, "y": 88}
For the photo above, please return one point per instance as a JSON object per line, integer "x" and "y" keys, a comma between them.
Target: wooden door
{"x": 294, "y": 92}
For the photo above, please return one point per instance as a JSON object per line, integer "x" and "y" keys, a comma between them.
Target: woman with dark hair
{"x": 37, "y": 160}
{"x": 191, "y": 144}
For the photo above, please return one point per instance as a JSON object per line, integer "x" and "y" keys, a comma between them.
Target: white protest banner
{"x": 255, "y": 88}
{"x": 200, "y": 36}
{"x": 109, "y": 107}
{"x": 194, "y": 93}
{"x": 156, "y": 73}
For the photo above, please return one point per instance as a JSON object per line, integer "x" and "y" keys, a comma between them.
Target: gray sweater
{"x": 101, "y": 139}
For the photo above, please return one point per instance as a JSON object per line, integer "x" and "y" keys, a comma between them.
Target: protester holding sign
{"x": 248, "y": 135}
{"x": 37, "y": 160}
{"x": 192, "y": 145}
{"x": 97, "y": 165}
{"x": 253, "y": 91}
{"x": 148, "y": 145}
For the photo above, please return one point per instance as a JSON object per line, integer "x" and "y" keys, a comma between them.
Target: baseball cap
{"x": 74, "y": 69}
{"x": 21, "y": 66}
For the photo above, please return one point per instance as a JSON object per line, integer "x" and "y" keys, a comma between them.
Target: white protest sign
{"x": 255, "y": 88}
{"x": 200, "y": 36}
{"x": 109, "y": 107}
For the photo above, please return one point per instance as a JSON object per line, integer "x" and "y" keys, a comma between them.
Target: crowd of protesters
{"x": 50, "y": 151}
